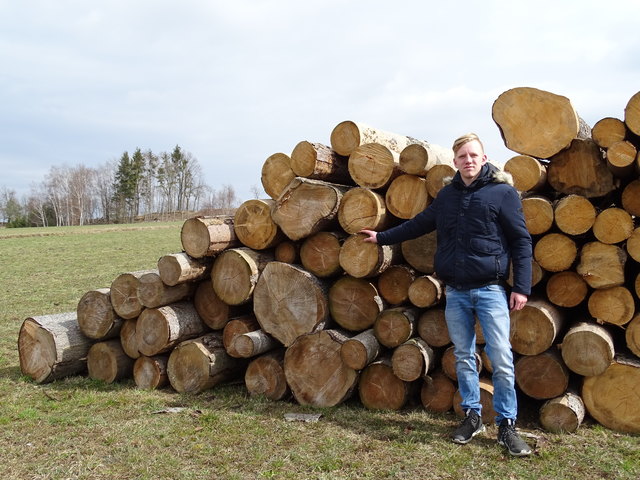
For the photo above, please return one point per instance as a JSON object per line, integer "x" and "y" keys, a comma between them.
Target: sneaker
{"x": 469, "y": 428}
{"x": 507, "y": 437}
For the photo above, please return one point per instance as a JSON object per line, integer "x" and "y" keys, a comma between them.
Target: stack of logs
{"x": 286, "y": 294}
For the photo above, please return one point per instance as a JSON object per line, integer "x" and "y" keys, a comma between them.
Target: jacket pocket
{"x": 484, "y": 245}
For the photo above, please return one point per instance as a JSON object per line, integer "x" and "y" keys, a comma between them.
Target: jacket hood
{"x": 488, "y": 174}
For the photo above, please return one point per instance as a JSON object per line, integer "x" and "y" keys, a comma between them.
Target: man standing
{"x": 481, "y": 231}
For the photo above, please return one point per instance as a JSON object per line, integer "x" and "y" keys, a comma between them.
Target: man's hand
{"x": 372, "y": 237}
{"x": 517, "y": 301}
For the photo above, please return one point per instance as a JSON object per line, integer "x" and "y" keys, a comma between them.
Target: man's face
{"x": 469, "y": 160}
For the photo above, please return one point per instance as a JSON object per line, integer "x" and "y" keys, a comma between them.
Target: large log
{"x": 374, "y": 166}
{"x": 363, "y": 208}
{"x": 631, "y": 197}
{"x": 254, "y": 226}
{"x": 535, "y": 328}
{"x": 420, "y": 252}
{"x": 153, "y": 292}
{"x": 412, "y": 360}
{"x": 432, "y": 327}
{"x": 96, "y": 317}
{"x": 348, "y": 135}
{"x": 51, "y": 347}
{"x": 396, "y": 325}
{"x": 613, "y": 305}
{"x": 407, "y": 196}
{"x": 354, "y": 303}
{"x": 613, "y": 225}
{"x": 563, "y": 414}
{"x": 213, "y": 311}
{"x": 621, "y": 159}
{"x": 177, "y": 268}
{"x": 124, "y": 294}
{"x": 320, "y": 253}
{"x": 632, "y": 114}
{"x": 394, "y": 283}
{"x": 362, "y": 259}
{"x": 542, "y": 376}
{"x": 574, "y": 214}
{"x": 288, "y": 302}
{"x": 108, "y": 362}
{"x": 566, "y": 289}
{"x": 607, "y": 131}
{"x": 437, "y": 392}
{"x": 315, "y": 371}
{"x": 359, "y": 351}
{"x": 308, "y": 206}
{"x": 201, "y": 363}
{"x": 555, "y": 252}
{"x": 587, "y": 349}
{"x": 426, "y": 291}
{"x": 380, "y": 389}
{"x": 208, "y": 236}
{"x": 528, "y": 173}
{"x": 150, "y": 373}
{"x": 538, "y": 214}
{"x": 437, "y": 177}
{"x": 319, "y": 162}
{"x": 265, "y": 376}
{"x": 419, "y": 158}
{"x": 276, "y": 174}
{"x": 601, "y": 265}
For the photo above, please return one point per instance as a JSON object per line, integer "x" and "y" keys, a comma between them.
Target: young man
{"x": 481, "y": 231}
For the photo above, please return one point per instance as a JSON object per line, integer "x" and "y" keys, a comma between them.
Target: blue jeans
{"x": 490, "y": 305}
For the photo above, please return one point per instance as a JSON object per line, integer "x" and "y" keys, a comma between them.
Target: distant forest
{"x": 140, "y": 186}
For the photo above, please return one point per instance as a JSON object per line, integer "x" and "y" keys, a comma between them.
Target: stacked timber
{"x": 285, "y": 296}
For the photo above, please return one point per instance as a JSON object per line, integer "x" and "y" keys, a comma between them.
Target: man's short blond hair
{"x": 469, "y": 137}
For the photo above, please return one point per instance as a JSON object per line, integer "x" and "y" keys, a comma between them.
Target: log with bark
{"x": 542, "y": 376}
{"x": 555, "y": 252}
{"x": 213, "y": 311}
{"x": 632, "y": 335}
{"x": 528, "y": 173}
{"x": 566, "y": 289}
{"x": 538, "y": 214}
{"x": 613, "y": 225}
{"x": 354, "y": 303}
{"x": 128, "y": 338}
{"x": 412, "y": 360}
{"x": 252, "y": 344}
{"x": 631, "y": 197}
{"x": 150, "y": 373}
{"x": 613, "y": 305}
{"x": 621, "y": 159}
{"x": 607, "y": 131}
{"x": 432, "y": 327}
{"x": 96, "y": 317}
{"x": 426, "y": 291}
{"x": 265, "y": 376}
{"x": 177, "y": 268}
{"x": 437, "y": 392}
{"x": 153, "y": 292}
{"x": 363, "y": 208}
{"x": 396, "y": 325}
{"x": 107, "y": 361}
{"x": 236, "y": 327}
{"x": 348, "y": 135}
{"x": 587, "y": 349}
{"x": 287, "y": 251}
{"x": 320, "y": 162}
{"x": 407, "y": 196}
{"x": 601, "y": 265}
{"x": 124, "y": 294}
{"x": 359, "y": 351}
{"x": 574, "y": 214}
{"x": 420, "y": 252}
{"x": 362, "y": 259}
{"x": 394, "y": 283}
{"x": 535, "y": 328}
{"x": 419, "y": 158}
{"x": 320, "y": 253}
{"x": 374, "y": 166}
{"x": 208, "y": 236}
{"x": 254, "y": 226}
{"x": 563, "y": 414}
{"x": 276, "y": 174}
{"x": 448, "y": 362}
{"x": 437, "y": 177}
{"x": 380, "y": 389}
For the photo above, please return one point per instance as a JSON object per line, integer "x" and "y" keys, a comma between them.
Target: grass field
{"x": 78, "y": 428}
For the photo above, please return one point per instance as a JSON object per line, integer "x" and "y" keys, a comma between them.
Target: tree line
{"x": 143, "y": 185}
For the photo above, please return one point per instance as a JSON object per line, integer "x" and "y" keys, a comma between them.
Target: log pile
{"x": 285, "y": 294}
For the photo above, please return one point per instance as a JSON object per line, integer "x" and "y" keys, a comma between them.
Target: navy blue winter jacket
{"x": 480, "y": 228}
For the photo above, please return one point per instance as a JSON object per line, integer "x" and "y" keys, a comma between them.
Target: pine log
{"x": 153, "y": 292}
{"x": 613, "y": 225}
{"x": 201, "y": 363}
{"x": 252, "y": 344}
{"x": 587, "y": 349}
{"x": 150, "y": 373}
{"x": 412, "y": 360}
{"x": 486, "y": 400}
{"x": 128, "y": 338}
{"x": 396, "y": 325}
{"x": 107, "y": 361}
{"x": 538, "y": 214}
{"x": 158, "y": 330}
{"x": 555, "y": 252}
{"x": 535, "y": 122}
{"x": 354, "y": 303}
{"x": 621, "y": 159}
{"x": 236, "y": 327}
{"x": 632, "y": 335}
{"x": 235, "y": 273}
{"x": 289, "y": 301}
{"x": 265, "y": 376}
{"x": 254, "y": 226}
{"x": 535, "y": 328}
{"x": 437, "y": 177}
{"x": 287, "y": 251}
{"x": 213, "y": 311}
{"x": 566, "y": 289}
{"x": 407, "y": 196}
{"x": 418, "y": 159}
{"x": 96, "y": 317}
{"x": 607, "y": 131}
{"x": 574, "y": 214}
{"x": 177, "y": 268}
{"x": 420, "y": 252}
{"x": 394, "y": 283}
{"x": 380, "y": 389}
{"x": 528, "y": 173}
{"x": 613, "y": 305}
{"x": 633, "y": 245}
{"x": 319, "y": 162}
{"x": 448, "y": 362}
{"x": 581, "y": 170}
{"x": 426, "y": 291}
{"x": 632, "y": 114}
{"x": 359, "y": 351}
{"x": 307, "y": 207}
{"x": 432, "y": 327}
{"x": 124, "y": 294}
{"x": 51, "y": 347}
{"x": 611, "y": 398}
{"x": 601, "y": 265}
{"x": 362, "y": 259}
{"x": 320, "y": 253}
{"x": 542, "y": 376}
{"x": 374, "y": 166}
{"x": 363, "y": 208}
{"x": 315, "y": 371}
{"x": 348, "y": 135}
{"x": 208, "y": 236}
{"x": 437, "y": 393}
{"x": 631, "y": 198}
{"x": 276, "y": 174}
{"x": 563, "y": 414}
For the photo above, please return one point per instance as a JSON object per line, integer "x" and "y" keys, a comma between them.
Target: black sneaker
{"x": 507, "y": 437}
{"x": 469, "y": 428}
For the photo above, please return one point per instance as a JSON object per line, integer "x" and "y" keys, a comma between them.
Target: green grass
{"x": 78, "y": 428}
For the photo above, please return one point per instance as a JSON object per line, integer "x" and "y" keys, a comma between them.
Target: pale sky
{"x": 235, "y": 81}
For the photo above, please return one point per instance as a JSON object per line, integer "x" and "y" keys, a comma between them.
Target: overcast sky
{"x": 235, "y": 81}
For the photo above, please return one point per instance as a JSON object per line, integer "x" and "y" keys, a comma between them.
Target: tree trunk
{"x": 235, "y": 274}
{"x": 213, "y": 311}
{"x": 276, "y": 174}
{"x": 307, "y": 207}
{"x": 201, "y": 363}
{"x": 124, "y": 294}
{"x": 158, "y": 330}
{"x": 96, "y": 317}
{"x": 407, "y": 196}
{"x": 348, "y": 135}
{"x": 529, "y": 175}
{"x": 380, "y": 389}
{"x": 613, "y": 225}
{"x": 128, "y": 339}
{"x": 107, "y": 361}
{"x": 287, "y": 251}
{"x": 51, "y": 347}
{"x": 150, "y": 373}
{"x": 486, "y": 400}
{"x": 315, "y": 371}
{"x": 563, "y": 414}
{"x": 437, "y": 393}
{"x": 432, "y": 327}
{"x": 574, "y": 214}
{"x": 587, "y": 349}
{"x": 412, "y": 360}
{"x": 631, "y": 198}
{"x": 542, "y": 376}
{"x": 535, "y": 122}
{"x": 354, "y": 303}
{"x": 265, "y": 376}
{"x": 319, "y": 162}
{"x": 607, "y": 131}
{"x": 632, "y": 335}
{"x": 419, "y": 252}
{"x": 601, "y": 265}
{"x": 621, "y": 159}
{"x": 566, "y": 289}
{"x": 418, "y": 159}
{"x": 611, "y": 398}
{"x": 436, "y": 178}
{"x": 359, "y": 351}
{"x": 394, "y": 326}
{"x": 289, "y": 301}
{"x": 236, "y": 327}
{"x": 252, "y": 344}
{"x": 535, "y": 328}
{"x": 320, "y": 253}
{"x": 426, "y": 291}
{"x": 362, "y": 259}
{"x": 254, "y": 226}
{"x": 448, "y": 361}
{"x": 153, "y": 292}
{"x": 178, "y": 268}
{"x": 538, "y": 214}
{"x": 614, "y": 305}
{"x": 362, "y": 208}
{"x": 208, "y": 236}
{"x": 374, "y": 166}
{"x": 394, "y": 283}
{"x": 632, "y": 114}
{"x": 555, "y": 252}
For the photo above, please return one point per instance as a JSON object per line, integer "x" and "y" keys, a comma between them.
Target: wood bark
{"x": 320, "y": 253}
{"x": 587, "y": 349}
{"x": 418, "y": 159}
{"x": 632, "y": 114}
{"x": 252, "y": 344}
{"x": 614, "y": 305}
{"x": 566, "y": 289}
{"x": 613, "y": 225}
{"x": 426, "y": 291}
{"x": 276, "y": 174}
{"x": 354, "y": 303}
{"x": 108, "y": 362}
{"x": 150, "y": 373}
{"x": 380, "y": 389}
{"x": 420, "y": 252}
{"x": 124, "y": 294}
{"x": 396, "y": 325}
{"x": 362, "y": 259}
{"x": 412, "y": 360}
{"x": 96, "y": 317}
{"x": 437, "y": 392}
{"x": 607, "y": 131}
{"x": 407, "y": 196}
{"x": 542, "y": 376}
{"x": 235, "y": 273}
{"x": 236, "y": 327}
{"x": 563, "y": 414}
{"x": 432, "y": 327}
{"x": 254, "y": 226}
{"x": 153, "y": 292}
{"x": 51, "y": 347}
{"x": 574, "y": 214}
{"x": 178, "y": 268}
{"x": 289, "y": 301}
{"x": 538, "y": 214}
{"x": 315, "y": 371}
{"x": 363, "y": 208}
{"x": 212, "y": 310}
{"x": 555, "y": 252}
{"x": 265, "y": 376}
{"x": 374, "y": 166}
{"x": 208, "y": 236}
{"x": 535, "y": 328}
{"x": 359, "y": 351}
{"x": 601, "y": 265}
{"x": 394, "y": 283}
{"x": 320, "y": 162}
{"x": 486, "y": 400}
{"x": 528, "y": 173}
